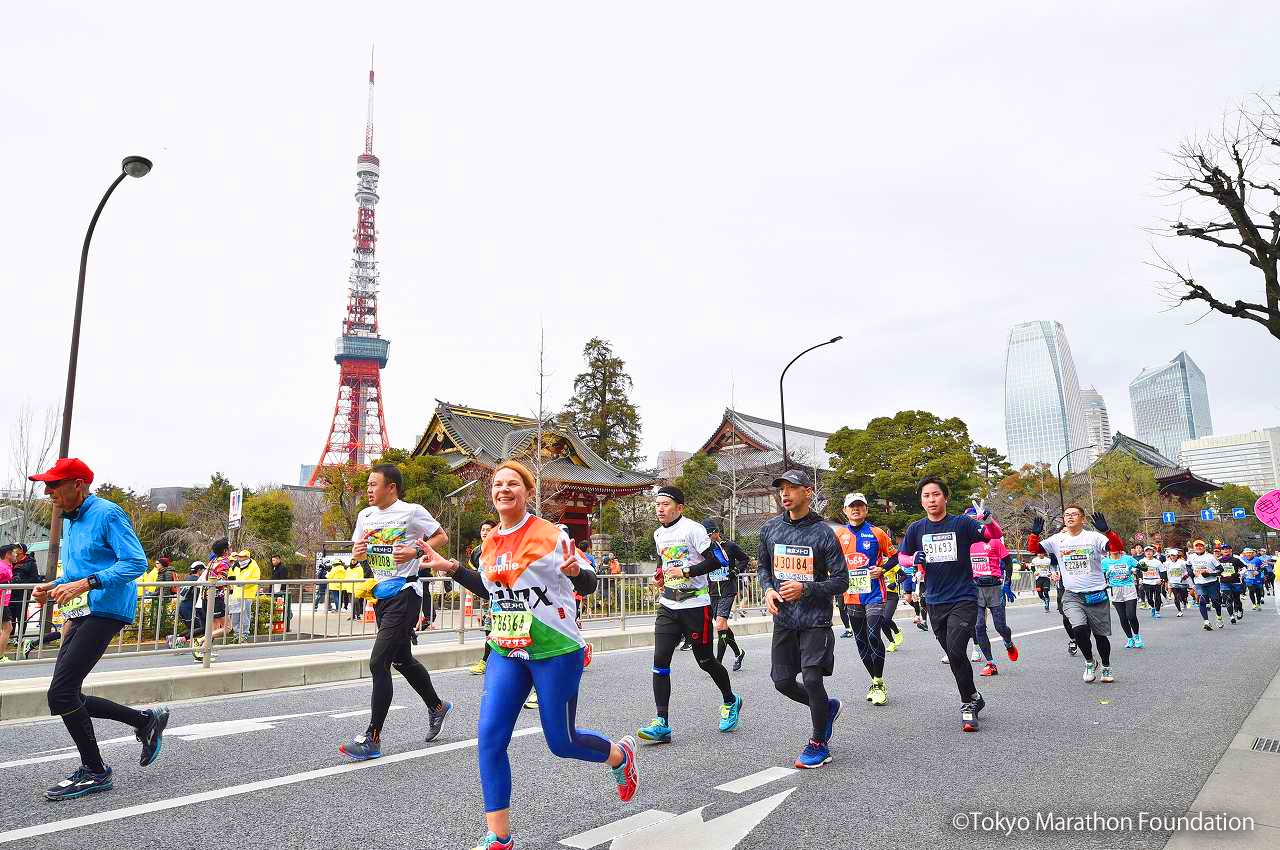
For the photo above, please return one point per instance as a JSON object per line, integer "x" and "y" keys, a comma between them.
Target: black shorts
{"x": 795, "y": 650}
{"x": 398, "y": 615}
{"x": 722, "y": 606}
{"x": 693, "y": 623}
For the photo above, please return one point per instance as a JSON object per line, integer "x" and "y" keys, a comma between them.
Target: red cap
{"x": 66, "y": 469}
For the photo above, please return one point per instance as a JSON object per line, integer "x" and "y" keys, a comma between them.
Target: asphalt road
{"x": 262, "y": 770}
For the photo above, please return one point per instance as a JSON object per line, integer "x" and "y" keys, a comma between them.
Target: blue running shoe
{"x": 815, "y": 754}
{"x": 1128, "y": 644}
{"x": 833, "y": 711}
{"x": 493, "y": 842}
{"x": 361, "y": 748}
{"x": 151, "y": 736}
{"x": 83, "y": 781}
{"x": 729, "y": 715}
{"x": 1137, "y": 642}
{"x": 657, "y": 732}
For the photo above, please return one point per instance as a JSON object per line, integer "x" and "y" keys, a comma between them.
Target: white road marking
{"x": 236, "y": 790}
{"x": 610, "y": 831}
{"x": 1057, "y": 628}
{"x": 690, "y": 830}
{"x": 360, "y": 711}
{"x": 755, "y": 780}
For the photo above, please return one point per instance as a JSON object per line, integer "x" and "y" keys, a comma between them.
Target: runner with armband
{"x": 993, "y": 574}
{"x": 1085, "y": 604}
{"x": 723, "y": 583}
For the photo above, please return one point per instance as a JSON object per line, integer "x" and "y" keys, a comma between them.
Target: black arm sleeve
{"x": 708, "y": 563}
{"x": 584, "y": 583}
{"x": 471, "y": 580}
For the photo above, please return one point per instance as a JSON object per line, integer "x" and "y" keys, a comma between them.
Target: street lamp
{"x": 132, "y": 166}
{"x": 1062, "y": 499}
{"x": 782, "y": 400}
{"x": 161, "y": 508}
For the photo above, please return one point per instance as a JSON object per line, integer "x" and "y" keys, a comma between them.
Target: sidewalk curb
{"x": 26, "y": 698}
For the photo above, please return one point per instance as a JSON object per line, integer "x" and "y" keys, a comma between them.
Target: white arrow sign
{"x": 686, "y": 830}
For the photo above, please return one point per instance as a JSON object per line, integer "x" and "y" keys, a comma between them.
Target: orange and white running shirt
{"x": 530, "y": 600}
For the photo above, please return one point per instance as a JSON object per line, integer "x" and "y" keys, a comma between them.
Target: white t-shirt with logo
{"x": 1203, "y": 562}
{"x": 681, "y": 545}
{"x": 1079, "y": 559}
{"x": 1178, "y": 571}
{"x": 1151, "y": 569}
{"x": 398, "y": 524}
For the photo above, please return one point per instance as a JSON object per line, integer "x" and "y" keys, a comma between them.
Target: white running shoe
{"x": 1090, "y": 671}
{"x": 944, "y": 659}
{"x": 975, "y": 655}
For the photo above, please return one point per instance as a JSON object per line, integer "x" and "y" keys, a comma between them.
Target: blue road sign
{"x": 1208, "y": 514}
{"x": 1239, "y": 513}
{"x": 1168, "y": 517}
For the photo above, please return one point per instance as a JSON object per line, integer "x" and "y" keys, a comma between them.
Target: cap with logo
{"x": 673, "y": 493}
{"x": 798, "y": 477}
{"x": 855, "y": 497}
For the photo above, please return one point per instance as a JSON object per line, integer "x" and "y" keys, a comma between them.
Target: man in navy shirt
{"x": 939, "y": 544}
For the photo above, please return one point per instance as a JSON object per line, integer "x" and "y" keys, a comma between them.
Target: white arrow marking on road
{"x": 237, "y": 790}
{"x": 690, "y": 830}
{"x": 755, "y": 780}
{"x": 610, "y": 831}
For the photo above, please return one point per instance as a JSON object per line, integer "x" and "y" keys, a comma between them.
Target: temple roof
{"x": 1169, "y": 476}
{"x": 759, "y": 441}
{"x": 463, "y": 435}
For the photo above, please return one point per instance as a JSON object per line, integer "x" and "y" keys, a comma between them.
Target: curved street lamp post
{"x": 782, "y": 400}
{"x": 1062, "y": 499}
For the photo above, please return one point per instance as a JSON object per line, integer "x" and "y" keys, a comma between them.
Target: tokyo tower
{"x": 358, "y": 434}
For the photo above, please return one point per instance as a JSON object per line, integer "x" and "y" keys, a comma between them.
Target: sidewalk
{"x": 25, "y": 698}
{"x": 1244, "y": 783}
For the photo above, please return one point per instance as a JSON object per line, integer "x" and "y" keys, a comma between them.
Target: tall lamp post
{"x": 1062, "y": 499}
{"x": 132, "y": 166}
{"x": 782, "y": 399}
{"x": 161, "y": 508}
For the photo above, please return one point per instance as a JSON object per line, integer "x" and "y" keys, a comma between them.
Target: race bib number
{"x": 1075, "y": 561}
{"x": 1228, "y": 569}
{"x": 1176, "y": 574}
{"x": 1151, "y": 574}
{"x": 78, "y": 607}
{"x": 512, "y": 621}
{"x": 792, "y": 563}
{"x": 381, "y": 561}
{"x": 939, "y": 548}
{"x": 984, "y": 566}
{"x": 860, "y": 580}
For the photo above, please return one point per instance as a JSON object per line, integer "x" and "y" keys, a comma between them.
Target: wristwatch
{"x": 419, "y": 551}
{"x": 94, "y": 582}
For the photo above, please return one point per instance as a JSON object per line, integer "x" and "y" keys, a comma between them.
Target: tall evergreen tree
{"x": 600, "y": 411}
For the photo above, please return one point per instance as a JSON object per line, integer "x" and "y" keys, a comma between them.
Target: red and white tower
{"x": 359, "y": 431}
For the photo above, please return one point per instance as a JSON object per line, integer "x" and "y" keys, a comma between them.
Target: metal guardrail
{"x": 172, "y": 617}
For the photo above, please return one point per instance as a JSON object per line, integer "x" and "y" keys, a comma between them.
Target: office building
{"x": 1171, "y": 404}
{"x": 1043, "y": 411}
{"x": 1251, "y": 459}
{"x": 1096, "y": 422}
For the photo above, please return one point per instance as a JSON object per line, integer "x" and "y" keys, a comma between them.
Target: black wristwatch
{"x": 94, "y": 582}
{"x": 420, "y": 552}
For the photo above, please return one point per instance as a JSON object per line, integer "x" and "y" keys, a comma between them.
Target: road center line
{"x": 235, "y": 790}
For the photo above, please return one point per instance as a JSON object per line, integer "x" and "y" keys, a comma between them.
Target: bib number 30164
{"x": 512, "y": 621}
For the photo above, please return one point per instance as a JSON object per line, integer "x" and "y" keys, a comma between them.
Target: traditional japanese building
{"x": 748, "y": 452}
{"x": 575, "y": 480}
{"x": 1173, "y": 480}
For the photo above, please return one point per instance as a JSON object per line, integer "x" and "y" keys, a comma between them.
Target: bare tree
{"x": 1229, "y": 183}
{"x": 31, "y": 445}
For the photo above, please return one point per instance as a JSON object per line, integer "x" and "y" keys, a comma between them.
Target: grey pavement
{"x": 262, "y": 769}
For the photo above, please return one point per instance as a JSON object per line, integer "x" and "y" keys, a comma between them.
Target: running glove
{"x": 1100, "y": 522}
{"x": 1009, "y": 595}
{"x": 1037, "y": 525}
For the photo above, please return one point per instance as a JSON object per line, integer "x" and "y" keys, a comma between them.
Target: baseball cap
{"x": 711, "y": 526}
{"x": 244, "y": 553}
{"x": 66, "y": 469}
{"x": 798, "y": 477}
{"x": 855, "y": 497}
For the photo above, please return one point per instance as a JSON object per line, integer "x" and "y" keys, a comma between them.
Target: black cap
{"x": 798, "y": 477}
{"x": 673, "y": 493}
{"x": 711, "y": 526}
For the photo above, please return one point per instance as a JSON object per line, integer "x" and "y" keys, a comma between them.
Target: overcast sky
{"x": 710, "y": 186}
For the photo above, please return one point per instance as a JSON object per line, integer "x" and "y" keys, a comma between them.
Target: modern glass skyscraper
{"x": 1043, "y": 412}
{"x": 1097, "y": 423}
{"x": 1171, "y": 404}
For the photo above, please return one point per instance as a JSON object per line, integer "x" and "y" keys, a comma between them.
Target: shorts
{"x": 1098, "y": 617}
{"x": 1123, "y": 593}
{"x": 398, "y": 615}
{"x": 907, "y": 585}
{"x": 693, "y": 623}
{"x": 722, "y": 606}
{"x": 990, "y": 597}
{"x": 795, "y": 650}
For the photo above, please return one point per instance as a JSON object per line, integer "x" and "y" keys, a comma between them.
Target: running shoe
{"x": 493, "y": 842}
{"x": 1137, "y": 642}
{"x": 1219, "y": 616}
{"x": 833, "y": 711}
{"x": 1128, "y": 644}
{"x": 975, "y": 655}
{"x": 898, "y": 638}
{"x": 586, "y": 656}
{"x": 1090, "y": 671}
{"x": 989, "y": 670}
{"x": 1156, "y": 615}
{"x": 82, "y": 781}
{"x": 737, "y": 662}
{"x": 435, "y": 719}
{"x": 890, "y": 646}
{"x": 1072, "y": 649}
{"x": 1107, "y": 676}
{"x": 922, "y": 625}
{"x": 729, "y": 715}
{"x": 657, "y": 732}
{"x": 944, "y": 659}
{"x": 879, "y": 693}
{"x": 848, "y": 633}
{"x": 686, "y": 646}
{"x": 478, "y": 668}
{"x": 28, "y": 644}
{"x": 814, "y": 754}
{"x": 1233, "y": 619}
{"x": 1179, "y": 613}
{"x": 1011, "y": 651}
{"x": 1207, "y": 627}
{"x": 151, "y": 735}
{"x": 969, "y": 717}
{"x": 361, "y": 748}
{"x": 532, "y": 701}
{"x": 627, "y": 775}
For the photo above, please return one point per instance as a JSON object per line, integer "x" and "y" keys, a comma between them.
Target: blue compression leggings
{"x": 506, "y": 686}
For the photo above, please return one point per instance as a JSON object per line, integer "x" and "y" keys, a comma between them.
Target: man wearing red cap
{"x": 97, "y": 595}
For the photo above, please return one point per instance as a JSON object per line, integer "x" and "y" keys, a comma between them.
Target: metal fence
{"x": 173, "y": 617}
